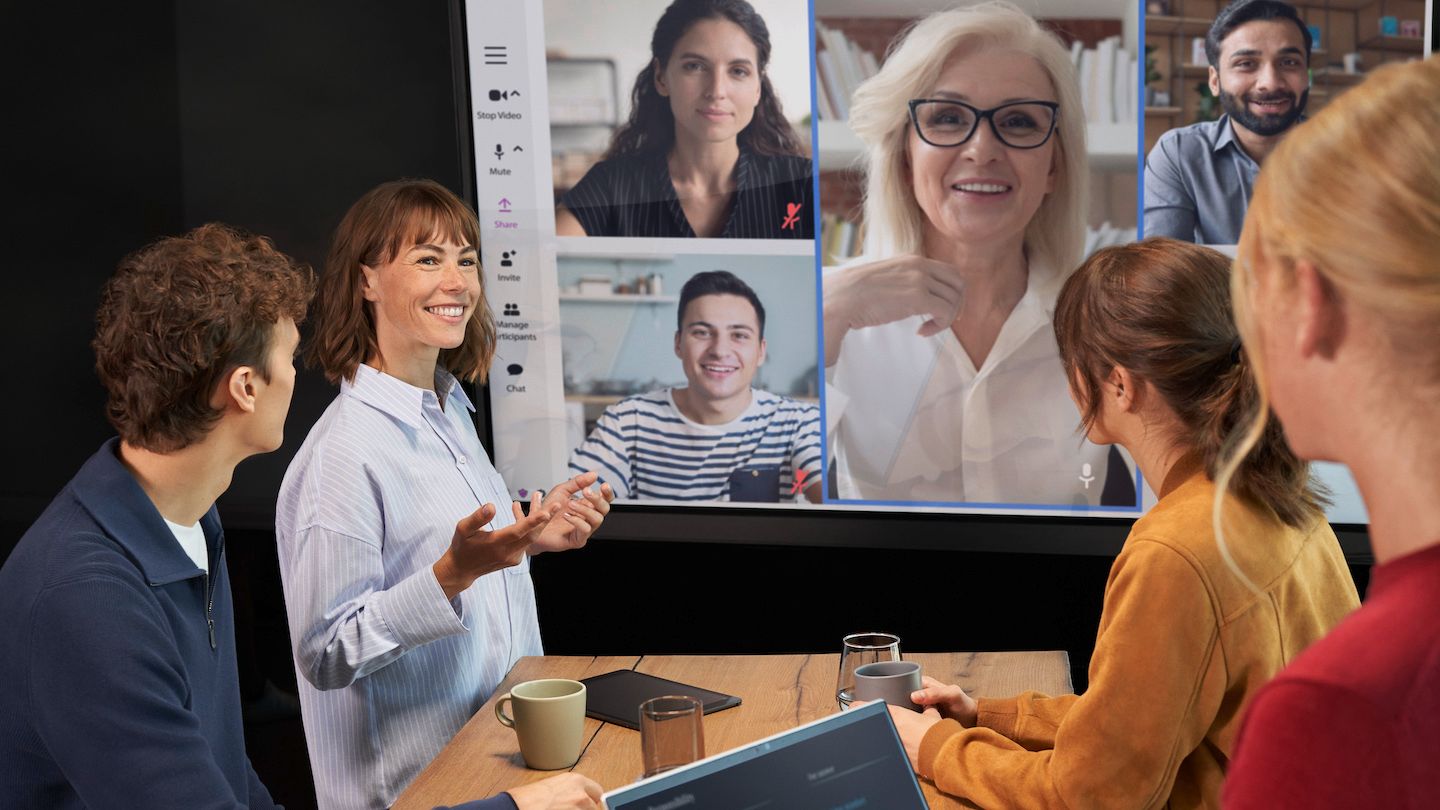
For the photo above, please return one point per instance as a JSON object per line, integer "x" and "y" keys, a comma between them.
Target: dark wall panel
{"x": 91, "y": 172}
{"x": 288, "y": 113}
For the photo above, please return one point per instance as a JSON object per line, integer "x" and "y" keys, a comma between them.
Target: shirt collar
{"x": 660, "y": 173}
{"x": 1042, "y": 283}
{"x": 743, "y": 170}
{"x": 109, "y": 492}
{"x": 1224, "y": 135}
{"x": 396, "y": 398}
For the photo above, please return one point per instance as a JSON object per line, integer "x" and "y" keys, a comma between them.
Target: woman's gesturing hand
{"x": 886, "y": 291}
{"x": 581, "y": 511}
{"x": 475, "y": 551}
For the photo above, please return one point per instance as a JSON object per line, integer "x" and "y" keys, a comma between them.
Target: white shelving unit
{"x": 1112, "y": 146}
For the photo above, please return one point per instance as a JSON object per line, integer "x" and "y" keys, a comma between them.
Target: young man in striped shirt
{"x": 716, "y": 438}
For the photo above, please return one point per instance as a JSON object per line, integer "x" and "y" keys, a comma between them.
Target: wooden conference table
{"x": 778, "y": 692}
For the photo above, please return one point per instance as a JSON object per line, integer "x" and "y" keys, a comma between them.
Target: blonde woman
{"x": 1145, "y": 333}
{"x": 1338, "y": 297}
{"x": 945, "y": 384}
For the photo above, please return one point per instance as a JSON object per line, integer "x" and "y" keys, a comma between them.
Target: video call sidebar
{"x": 513, "y": 188}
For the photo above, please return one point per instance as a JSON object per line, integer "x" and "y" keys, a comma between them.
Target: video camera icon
{"x": 503, "y": 95}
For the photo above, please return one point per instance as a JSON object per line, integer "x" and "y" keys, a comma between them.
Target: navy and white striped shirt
{"x": 391, "y": 669}
{"x": 645, "y": 448}
{"x": 633, "y": 195}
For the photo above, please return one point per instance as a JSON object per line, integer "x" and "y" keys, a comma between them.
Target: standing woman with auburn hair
{"x": 1146, "y": 338}
{"x": 405, "y": 564}
{"x": 707, "y": 151}
{"x": 1337, "y": 291}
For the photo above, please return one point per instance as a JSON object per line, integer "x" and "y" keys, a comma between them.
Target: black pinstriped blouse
{"x": 632, "y": 196}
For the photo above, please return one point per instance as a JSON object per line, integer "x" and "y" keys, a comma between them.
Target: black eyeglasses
{"x": 1019, "y": 124}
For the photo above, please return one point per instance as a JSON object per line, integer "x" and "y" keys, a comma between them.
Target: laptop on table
{"x": 847, "y": 761}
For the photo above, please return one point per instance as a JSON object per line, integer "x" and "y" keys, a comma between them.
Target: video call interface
{"x": 592, "y": 240}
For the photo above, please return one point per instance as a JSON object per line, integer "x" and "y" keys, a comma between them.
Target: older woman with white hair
{"x": 945, "y": 383}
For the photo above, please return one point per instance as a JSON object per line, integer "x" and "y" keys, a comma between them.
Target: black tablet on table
{"x": 615, "y": 697}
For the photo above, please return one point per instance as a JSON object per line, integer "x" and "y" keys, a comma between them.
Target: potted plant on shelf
{"x": 1152, "y": 75}
{"x": 1209, "y": 107}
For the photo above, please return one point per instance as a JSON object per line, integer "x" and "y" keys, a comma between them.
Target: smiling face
{"x": 983, "y": 191}
{"x": 712, "y": 81}
{"x": 422, "y": 301}
{"x": 1262, "y": 78}
{"x": 720, "y": 348}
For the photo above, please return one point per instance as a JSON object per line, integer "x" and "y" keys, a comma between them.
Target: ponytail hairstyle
{"x": 1161, "y": 309}
{"x": 651, "y": 127}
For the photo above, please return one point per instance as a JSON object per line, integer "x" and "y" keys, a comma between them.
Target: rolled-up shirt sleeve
{"x": 345, "y": 622}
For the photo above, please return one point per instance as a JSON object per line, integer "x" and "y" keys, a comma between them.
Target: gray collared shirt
{"x": 1198, "y": 183}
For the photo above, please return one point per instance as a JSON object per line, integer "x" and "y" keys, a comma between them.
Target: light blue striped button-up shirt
{"x": 390, "y": 669}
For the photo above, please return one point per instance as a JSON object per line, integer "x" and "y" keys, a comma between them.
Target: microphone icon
{"x": 1086, "y": 474}
{"x": 499, "y": 151}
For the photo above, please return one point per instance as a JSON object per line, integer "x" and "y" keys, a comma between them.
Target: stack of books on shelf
{"x": 1109, "y": 81}
{"x": 840, "y": 68}
{"x": 840, "y": 239}
{"x": 1108, "y": 73}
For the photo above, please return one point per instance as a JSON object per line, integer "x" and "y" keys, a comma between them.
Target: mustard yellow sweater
{"x": 1183, "y": 645}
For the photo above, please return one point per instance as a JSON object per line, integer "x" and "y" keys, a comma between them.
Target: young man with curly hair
{"x": 118, "y": 683}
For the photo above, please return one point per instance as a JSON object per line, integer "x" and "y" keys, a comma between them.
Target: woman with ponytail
{"x": 1337, "y": 292}
{"x": 707, "y": 151}
{"x": 1155, "y": 365}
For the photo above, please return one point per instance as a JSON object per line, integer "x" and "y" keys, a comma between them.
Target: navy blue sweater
{"x": 117, "y": 659}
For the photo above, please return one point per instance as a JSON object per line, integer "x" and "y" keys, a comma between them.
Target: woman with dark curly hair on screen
{"x": 707, "y": 151}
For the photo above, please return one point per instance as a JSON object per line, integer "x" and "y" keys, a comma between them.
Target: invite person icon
{"x": 707, "y": 151}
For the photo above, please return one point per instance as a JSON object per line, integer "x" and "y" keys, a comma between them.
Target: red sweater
{"x": 1355, "y": 720}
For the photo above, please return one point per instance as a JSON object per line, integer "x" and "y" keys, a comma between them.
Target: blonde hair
{"x": 1355, "y": 191}
{"x": 1055, "y": 236}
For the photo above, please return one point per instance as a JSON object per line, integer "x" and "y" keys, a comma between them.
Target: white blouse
{"x": 911, "y": 419}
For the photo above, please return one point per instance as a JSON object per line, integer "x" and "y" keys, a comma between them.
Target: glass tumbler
{"x": 860, "y": 649}
{"x": 672, "y": 732}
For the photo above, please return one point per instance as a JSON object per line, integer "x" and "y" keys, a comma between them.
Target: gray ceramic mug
{"x": 890, "y": 681}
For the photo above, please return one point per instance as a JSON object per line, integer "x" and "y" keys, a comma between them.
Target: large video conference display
{"x": 686, "y": 256}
